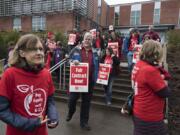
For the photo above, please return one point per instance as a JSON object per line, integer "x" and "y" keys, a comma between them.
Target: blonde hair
{"x": 151, "y": 52}
{"x": 25, "y": 42}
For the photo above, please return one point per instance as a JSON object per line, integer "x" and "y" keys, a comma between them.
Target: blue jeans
{"x": 108, "y": 89}
{"x": 129, "y": 59}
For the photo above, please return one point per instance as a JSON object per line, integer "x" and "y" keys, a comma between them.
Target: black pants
{"x": 85, "y": 105}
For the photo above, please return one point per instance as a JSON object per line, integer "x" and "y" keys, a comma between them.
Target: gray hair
{"x": 88, "y": 34}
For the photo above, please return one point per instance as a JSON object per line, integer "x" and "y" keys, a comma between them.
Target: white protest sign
{"x": 103, "y": 74}
{"x": 79, "y": 77}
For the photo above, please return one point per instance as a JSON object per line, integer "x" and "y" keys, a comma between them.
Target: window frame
{"x": 38, "y": 23}
{"x": 136, "y": 18}
{"x": 17, "y": 23}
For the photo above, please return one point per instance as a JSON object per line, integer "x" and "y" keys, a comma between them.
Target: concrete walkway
{"x": 102, "y": 122}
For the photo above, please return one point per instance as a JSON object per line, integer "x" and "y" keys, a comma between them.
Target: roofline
{"x": 145, "y": 27}
{"x": 142, "y": 2}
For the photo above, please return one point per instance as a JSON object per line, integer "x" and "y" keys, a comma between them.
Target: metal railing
{"x": 29, "y": 7}
{"x": 61, "y": 66}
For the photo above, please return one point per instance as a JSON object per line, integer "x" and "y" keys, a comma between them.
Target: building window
{"x": 99, "y": 12}
{"x": 116, "y": 15}
{"x": 99, "y": 3}
{"x": 135, "y": 14}
{"x": 17, "y": 23}
{"x": 77, "y": 22}
{"x": 38, "y": 23}
{"x": 157, "y": 8}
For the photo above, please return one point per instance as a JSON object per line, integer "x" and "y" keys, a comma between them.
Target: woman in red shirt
{"x": 150, "y": 90}
{"x": 113, "y": 60}
{"x": 26, "y": 91}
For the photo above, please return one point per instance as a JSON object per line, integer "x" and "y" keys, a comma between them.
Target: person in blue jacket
{"x": 86, "y": 54}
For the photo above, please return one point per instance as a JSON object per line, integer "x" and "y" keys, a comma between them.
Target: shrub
{"x": 5, "y": 38}
{"x": 59, "y": 36}
{"x": 173, "y": 37}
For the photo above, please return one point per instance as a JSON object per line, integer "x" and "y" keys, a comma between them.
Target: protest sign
{"x": 136, "y": 53}
{"x": 103, "y": 74}
{"x": 79, "y": 77}
{"x": 93, "y": 32}
{"x": 72, "y": 39}
{"x": 114, "y": 46}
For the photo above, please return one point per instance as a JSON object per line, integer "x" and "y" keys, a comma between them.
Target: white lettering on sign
{"x": 79, "y": 75}
{"x": 102, "y": 76}
{"x": 104, "y": 73}
{"x": 79, "y": 70}
{"x": 78, "y": 80}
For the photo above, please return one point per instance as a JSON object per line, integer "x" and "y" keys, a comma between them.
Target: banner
{"x": 103, "y": 74}
{"x": 79, "y": 77}
{"x": 72, "y": 39}
{"x": 115, "y": 47}
{"x": 93, "y": 32}
{"x": 136, "y": 53}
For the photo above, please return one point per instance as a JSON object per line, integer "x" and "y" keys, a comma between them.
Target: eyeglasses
{"x": 41, "y": 49}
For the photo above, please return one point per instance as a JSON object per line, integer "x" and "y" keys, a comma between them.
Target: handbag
{"x": 128, "y": 105}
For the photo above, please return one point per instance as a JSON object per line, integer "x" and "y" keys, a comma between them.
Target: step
{"x": 115, "y": 92}
{"x": 113, "y": 106}
{"x": 118, "y": 99}
{"x": 115, "y": 99}
{"x": 122, "y": 80}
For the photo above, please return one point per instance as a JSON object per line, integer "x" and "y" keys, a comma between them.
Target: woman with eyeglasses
{"x": 26, "y": 91}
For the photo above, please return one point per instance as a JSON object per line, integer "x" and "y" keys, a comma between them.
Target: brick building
{"x": 163, "y": 14}
{"x": 54, "y": 15}
{"x": 64, "y": 15}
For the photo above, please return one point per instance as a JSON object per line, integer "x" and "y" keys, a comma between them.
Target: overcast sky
{"x": 113, "y": 2}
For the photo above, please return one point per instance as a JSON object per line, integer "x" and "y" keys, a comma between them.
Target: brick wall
{"x": 111, "y": 16}
{"x": 6, "y": 23}
{"x": 103, "y": 13}
{"x": 147, "y": 13}
{"x": 26, "y": 23}
{"x": 125, "y": 12}
{"x": 60, "y": 22}
{"x": 170, "y": 12}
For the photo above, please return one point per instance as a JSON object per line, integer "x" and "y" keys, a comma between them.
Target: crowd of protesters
{"x": 32, "y": 58}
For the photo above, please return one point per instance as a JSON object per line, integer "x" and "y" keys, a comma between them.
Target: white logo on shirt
{"x": 35, "y": 100}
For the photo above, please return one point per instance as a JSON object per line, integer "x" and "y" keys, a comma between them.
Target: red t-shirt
{"x": 133, "y": 41}
{"x": 147, "y": 80}
{"x": 98, "y": 43}
{"x": 28, "y": 94}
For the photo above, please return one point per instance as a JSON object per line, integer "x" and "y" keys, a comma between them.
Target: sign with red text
{"x": 93, "y": 32}
{"x": 136, "y": 53}
{"x": 79, "y": 77}
{"x": 72, "y": 39}
{"x": 115, "y": 47}
{"x": 51, "y": 44}
{"x": 103, "y": 74}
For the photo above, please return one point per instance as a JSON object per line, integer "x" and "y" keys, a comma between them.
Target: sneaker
{"x": 108, "y": 103}
{"x": 86, "y": 127}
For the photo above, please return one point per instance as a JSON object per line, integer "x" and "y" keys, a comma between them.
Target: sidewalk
{"x": 102, "y": 122}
